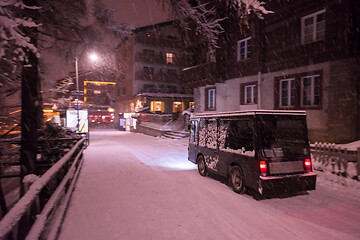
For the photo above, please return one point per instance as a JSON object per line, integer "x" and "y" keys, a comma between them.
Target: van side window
{"x": 223, "y": 127}
{"x": 194, "y": 131}
{"x": 240, "y": 135}
{"x": 211, "y": 134}
{"x": 202, "y": 132}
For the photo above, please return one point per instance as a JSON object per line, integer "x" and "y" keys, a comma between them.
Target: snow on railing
{"x": 22, "y": 207}
{"x": 336, "y": 159}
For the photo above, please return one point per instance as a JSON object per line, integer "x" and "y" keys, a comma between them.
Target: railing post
{"x": 316, "y": 152}
{"x": 345, "y": 163}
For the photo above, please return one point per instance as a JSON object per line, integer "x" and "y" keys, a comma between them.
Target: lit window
{"x": 97, "y": 92}
{"x": 311, "y": 90}
{"x": 191, "y": 105}
{"x": 244, "y": 49}
{"x": 170, "y": 58}
{"x": 250, "y": 94}
{"x": 313, "y": 27}
{"x": 178, "y": 106}
{"x": 157, "y": 106}
{"x": 287, "y": 92}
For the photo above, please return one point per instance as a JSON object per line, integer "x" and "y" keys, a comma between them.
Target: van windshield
{"x": 282, "y": 136}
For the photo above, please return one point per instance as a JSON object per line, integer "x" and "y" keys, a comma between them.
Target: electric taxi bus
{"x": 265, "y": 150}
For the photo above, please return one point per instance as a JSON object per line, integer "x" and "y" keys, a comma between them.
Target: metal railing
{"x": 337, "y": 159}
{"x": 40, "y": 208}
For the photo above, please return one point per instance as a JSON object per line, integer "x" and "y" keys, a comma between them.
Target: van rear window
{"x": 282, "y": 136}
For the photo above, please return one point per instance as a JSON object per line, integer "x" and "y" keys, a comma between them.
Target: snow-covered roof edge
{"x": 248, "y": 112}
{"x": 170, "y": 95}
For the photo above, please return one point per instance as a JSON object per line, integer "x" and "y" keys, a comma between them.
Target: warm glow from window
{"x": 157, "y": 106}
{"x": 191, "y": 105}
{"x": 170, "y": 58}
{"x": 178, "y": 106}
{"x": 99, "y": 83}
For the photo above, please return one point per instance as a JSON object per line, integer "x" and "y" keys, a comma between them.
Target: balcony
{"x": 158, "y": 77}
{"x": 204, "y": 73}
{"x": 157, "y": 59}
{"x": 169, "y": 43}
{"x": 142, "y": 57}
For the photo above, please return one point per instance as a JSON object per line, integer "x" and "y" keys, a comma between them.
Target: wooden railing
{"x": 45, "y": 201}
{"x": 336, "y": 159}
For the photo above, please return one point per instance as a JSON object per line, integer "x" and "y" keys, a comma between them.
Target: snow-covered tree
{"x": 14, "y": 43}
{"x": 203, "y": 17}
{"x": 29, "y": 27}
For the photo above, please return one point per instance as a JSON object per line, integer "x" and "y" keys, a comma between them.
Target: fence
{"x": 338, "y": 160}
{"x": 45, "y": 194}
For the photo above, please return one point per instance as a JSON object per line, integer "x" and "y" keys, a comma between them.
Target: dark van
{"x": 263, "y": 150}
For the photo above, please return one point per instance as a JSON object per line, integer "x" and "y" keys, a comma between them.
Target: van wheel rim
{"x": 236, "y": 179}
{"x": 201, "y": 166}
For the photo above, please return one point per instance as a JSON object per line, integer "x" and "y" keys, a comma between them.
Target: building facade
{"x": 304, "y": 56}
{"x": 150, "y": 62}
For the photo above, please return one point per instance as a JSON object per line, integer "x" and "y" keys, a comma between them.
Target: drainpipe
{"x": 259, "y": 90}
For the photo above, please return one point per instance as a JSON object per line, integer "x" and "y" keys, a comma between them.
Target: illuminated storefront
{"x": 157, "y": 106}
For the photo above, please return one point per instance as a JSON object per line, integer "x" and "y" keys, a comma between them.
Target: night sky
{"x": 138, "y": 12}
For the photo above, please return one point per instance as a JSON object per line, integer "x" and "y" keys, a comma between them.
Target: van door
{"x": 193, "y": 147}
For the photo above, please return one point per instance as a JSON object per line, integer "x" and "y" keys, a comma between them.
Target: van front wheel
{"x": 202, "y": 166}
{"x": 236, "y": 179}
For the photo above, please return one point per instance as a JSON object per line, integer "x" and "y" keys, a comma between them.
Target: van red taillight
{"x": 307, "y": 163}
{"x": 263, "y": 168}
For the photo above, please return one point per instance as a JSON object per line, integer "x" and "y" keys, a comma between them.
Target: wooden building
{"x": 304, "y": 56}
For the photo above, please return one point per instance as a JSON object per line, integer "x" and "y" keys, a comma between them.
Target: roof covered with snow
{"x": 166, "y": 95}
{"x": 248, "y": 112}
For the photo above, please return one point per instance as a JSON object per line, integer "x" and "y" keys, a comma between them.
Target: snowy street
{"x": 134, "y": 186}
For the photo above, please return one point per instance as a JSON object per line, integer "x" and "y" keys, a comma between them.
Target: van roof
{"x": 247, "y": 112}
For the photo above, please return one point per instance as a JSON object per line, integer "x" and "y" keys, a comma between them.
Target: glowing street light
{"x": 94, "y": 57}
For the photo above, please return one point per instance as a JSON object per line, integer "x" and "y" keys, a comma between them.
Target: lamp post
{"x": 77, "y": 93}
{"x": 94, "y": 58}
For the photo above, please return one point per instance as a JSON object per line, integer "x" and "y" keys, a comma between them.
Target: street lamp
{"x": 94, "y": 58}
{"x": 77, "y": 106}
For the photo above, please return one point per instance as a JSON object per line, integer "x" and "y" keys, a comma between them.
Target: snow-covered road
{"x": 134, "y": 186}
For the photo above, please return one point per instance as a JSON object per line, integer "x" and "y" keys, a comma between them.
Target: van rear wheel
{"x": 236, "y": 179}
{"x": 202, "y": 166}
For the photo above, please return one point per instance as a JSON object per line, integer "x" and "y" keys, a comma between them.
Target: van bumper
{"x": 287, "y": 183}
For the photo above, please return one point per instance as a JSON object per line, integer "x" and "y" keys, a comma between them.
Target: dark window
{"x": 172, "y": 89}
{"x": 299, "y": 91}
{"x": 240, "y": 135}
{"x": 149, "y": 88}
{"x": 148, "y": 52}
{"x": 281, "y": 136}
{"x": 148, "y": 72}
{"x": 244, "y": 49}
